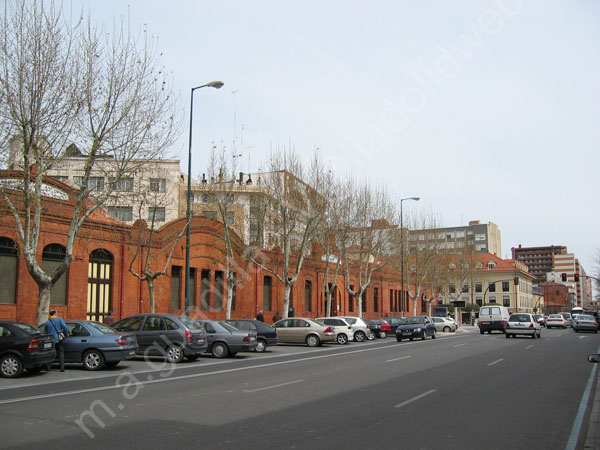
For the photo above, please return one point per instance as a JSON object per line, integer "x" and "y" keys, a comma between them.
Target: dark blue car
{"x": 416, "y": 327}
{"x": 96, "y": 345}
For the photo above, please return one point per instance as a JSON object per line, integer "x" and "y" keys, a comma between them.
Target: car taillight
{"x": 121, "y": 341}
{"x": 328, "y": 330}
{"x": 246, "y": 339}
{"x": 349, "y": 327}
{"x": 189, "y": 337}
{"x": 531, "y": 325}
{"x": 479, "y": 322}
{"x": 576, "y": 322}
{"x": 507, "y": 325}
{"x": 33, "y": 346}
{"x": 502, "y": 322}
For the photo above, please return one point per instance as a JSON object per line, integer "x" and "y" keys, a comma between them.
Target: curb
{"x": 591, "y": 437}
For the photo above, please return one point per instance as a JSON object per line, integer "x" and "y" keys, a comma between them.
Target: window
{"x": 156, "y": 214}
{"x": 122, "y": 185}
{"x": 493, "y": 299}
{"x": 363, "y": 303}
{"x": 505, "y": 286}
{"x": 492, "y": 287}
{"x": 158, "y": 184}
{"x": 229, "y": 218}
{"x": 192, "y": 288}
{"x": 465, "y": 288}
{"x": 351, "y": 300}
{"x": 505, "y": 300}
{"x": 61, "y": 177}
{"x": 480, "y": 237}
{"x": 210, "y": 214}
{"x": 208, "y": 197}
{"x": 452, "y": 289}
{"x": 392, "y": 300}
{"x": 94, "y": 183}
{"x": 205, "y": 289}
{"x": 123, "y": 213}
{"x": 479, "y": 300}
{"x": 176, "y": 287}
{"x": 52, "y": 257}
{"x": 267, "y": 293}
{"x": 491, "y": 266}
{"x": 218, "y": 302}
{"x": 307, "y": 295}
{"x": 375, "y": 299}
{"x": 478, "y": 287}
{"x": 8, "y": 269}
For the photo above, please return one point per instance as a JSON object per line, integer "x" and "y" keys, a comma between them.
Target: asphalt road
{"x": 460, "y": 391}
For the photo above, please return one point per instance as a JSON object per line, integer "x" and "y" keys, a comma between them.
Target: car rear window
{"x": 228, "y": 327}
{"x": 520, "y": 318}
{"x": 102, "y": 328}
{"x": 29, "y": 329}
{"x": 191, "y": 324}
{"x": 581, "y": 317}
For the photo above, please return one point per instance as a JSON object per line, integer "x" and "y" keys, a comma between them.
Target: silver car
{"x": 444, "y": 324}
{"x": 360, "y": 327}
{"x": 523, "y": 324}
{"x": 299, "y": 330}
{"x": 584, "y": 322}
{"x": 343, "y": 330}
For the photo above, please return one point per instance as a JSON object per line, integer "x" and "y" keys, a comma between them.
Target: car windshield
{"x": 29, "y": 329}
{"x": 191, "y": 324}
{"x": 228, "y": 326}
{"x": 520, "y": 318}
{"x": 104, "y": 329}
{"x": 415, "y": 320}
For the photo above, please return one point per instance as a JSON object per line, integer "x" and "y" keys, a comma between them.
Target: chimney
{"x": 249, "y": 181}
{"x": 241, "y": 178}
{"x": 203, "y": 178}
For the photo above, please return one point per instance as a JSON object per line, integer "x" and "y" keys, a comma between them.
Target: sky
{"x": 486, "y": 110}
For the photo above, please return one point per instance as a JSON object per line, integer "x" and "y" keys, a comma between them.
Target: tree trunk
{"x": 328, "y": 303}
{"x": 230, "y": 287}
{"x": 43, "y": 304}
{"x": 286, "y": 300}
{"x": 150, "y": 281}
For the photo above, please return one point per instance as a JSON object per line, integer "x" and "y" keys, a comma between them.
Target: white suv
{"x": 343, "y": 330}
{"x": 360, "y": 328}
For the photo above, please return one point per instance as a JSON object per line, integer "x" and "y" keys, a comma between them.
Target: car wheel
{"x": 564, "y": 326}
{"x": 371, "y": 336}
{"x": 398, "y": 338}
{"x": 112, "y": 363}
{"x": 433, "y": 335}
{"x": 219, "y": 350}
{"x": 533, "y": 335}
{"x": 359, "y": 336}
{"x": 312, "y": 340}
{"x": 174, "y": 354}
{"x": 382, "y": 335}
{"x": 261, "y": 346}
{"x": 11, "y": 366}
{"x": 93, "y": 360}
{"x": 489, "y": 331}
{"x": 411, "y": 339}
{"x": 480, "y": 331}
{"x": 342, "y": 339}
{"x": 507, "y": 336}
{"x": 575, "y": 330}
{"x": 446, "y": 330}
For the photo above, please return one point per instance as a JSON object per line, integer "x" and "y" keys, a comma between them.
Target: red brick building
{"x": 556, "y": 297}
{"x": 99, "y": 280}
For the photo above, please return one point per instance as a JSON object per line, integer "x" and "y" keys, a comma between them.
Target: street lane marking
{"x": 459, "y": 345}
{"x": 397, "y": 359}
{"x": 249, "y": 391}
{"x": 424, "y": 394}
{"x": 528, "y": 347}
{"x": 582, "y": 337}
{"x": 496, "y": 362}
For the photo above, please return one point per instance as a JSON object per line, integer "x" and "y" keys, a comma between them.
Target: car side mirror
{"x": 594, "y": 358}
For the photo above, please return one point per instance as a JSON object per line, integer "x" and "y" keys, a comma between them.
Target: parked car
{"x": 444, "y": 324}
{"x": 541, "y": 320}
{"x": 300, "y": 330}
{"x": 344, "y": 332}
{"x": 556, "y": 321}
{"x": 226, "y": 340}
{"x": 360, "y": 327}
{"x": 568, "y": 318}
{"x": 585, "y": 322}
{"x": 394, "y": 322}
{"x": 523, "y": 324}
{"x": 23, "y": 346}
{"x": 168, "y": 335}
{"x": 379, "y": 327}
{"x": 265, "y": 334}
{"x": 95, "y": 345}
{"x": 416, "y": 327}
{"x": 492, "y": 318}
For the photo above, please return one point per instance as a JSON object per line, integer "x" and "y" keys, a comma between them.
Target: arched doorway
{"x": 99, "y": 297}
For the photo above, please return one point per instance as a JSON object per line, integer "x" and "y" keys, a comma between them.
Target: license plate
{"x": 201, "y": 341}
{"x": 48, "y": 345}
{"x": 407, "y": 332}
{"x": 131, "y": 353}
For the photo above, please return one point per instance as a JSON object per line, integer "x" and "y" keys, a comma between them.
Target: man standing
{"x": 260, "y": 316}
{"x": 58, "y": 328}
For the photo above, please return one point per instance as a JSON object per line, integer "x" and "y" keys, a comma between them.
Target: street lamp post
{"x": 216, "y": 85}
{"x": 402, "y": 250}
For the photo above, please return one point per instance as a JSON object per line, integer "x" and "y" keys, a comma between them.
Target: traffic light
{"x": 563, "y": 276}
{"x": 576, "y": 278}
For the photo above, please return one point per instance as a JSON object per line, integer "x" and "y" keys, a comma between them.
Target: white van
{"x": 492, "y": 317}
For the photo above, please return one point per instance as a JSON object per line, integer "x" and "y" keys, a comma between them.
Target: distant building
{"x": 539, "y": 259}
{"x": 482, "y": 238}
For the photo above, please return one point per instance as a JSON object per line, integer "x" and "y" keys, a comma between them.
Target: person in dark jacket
{"x": 260, "y": 316}
{"x": 57, "y": 327}
{"x": 276, "y": 317}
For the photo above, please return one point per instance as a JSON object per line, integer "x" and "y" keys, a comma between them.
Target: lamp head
{"x": 215, "y": 84}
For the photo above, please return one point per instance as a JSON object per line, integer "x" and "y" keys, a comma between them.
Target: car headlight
{"x": 417, "y": 329}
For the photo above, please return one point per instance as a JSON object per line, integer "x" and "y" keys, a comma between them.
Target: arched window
{"x": 99, "y": 298}
{"x": 52, "y": 256}
{"x": 9, "y": 263}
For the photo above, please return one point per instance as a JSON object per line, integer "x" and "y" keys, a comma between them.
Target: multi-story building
{"x": 539, "y": 260}
{"x": 482, "y": 238}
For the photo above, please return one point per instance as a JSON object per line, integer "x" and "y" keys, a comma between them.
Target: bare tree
{"x": 61, "y": 84}
{"x": 295, "y": 212}
{"x": 368, "y": 243}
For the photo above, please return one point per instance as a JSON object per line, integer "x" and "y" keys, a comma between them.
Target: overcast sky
{"x": 487, "y": 110}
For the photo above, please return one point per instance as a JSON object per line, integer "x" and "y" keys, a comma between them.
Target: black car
{"x": 169, "y": 335}
{"x": 416, "y": 327}
{"x": 23, "y": 346}
{"x": 265, "y": 334}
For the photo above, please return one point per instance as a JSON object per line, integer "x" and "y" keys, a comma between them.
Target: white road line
{"x": 397, "y": 359}
{"x": 424, "y": 394}
{"x": 496, "y": 362}
{"x": 249, "y": 391}
{"x": 528, "y": 347}
{"x": 582, "y": 337}
{"x": 459, "y": 345}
